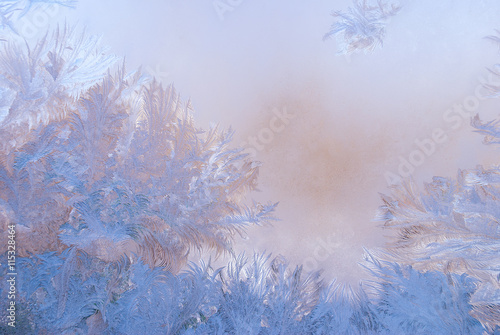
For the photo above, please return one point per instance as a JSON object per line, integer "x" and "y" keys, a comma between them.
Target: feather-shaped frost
{"x": 413, "y": 302}
{"x": 362, "y": 27}
{"x": 452, "y": 227}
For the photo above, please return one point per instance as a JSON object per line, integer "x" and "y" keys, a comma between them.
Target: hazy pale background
{"x": 354, "y": 116}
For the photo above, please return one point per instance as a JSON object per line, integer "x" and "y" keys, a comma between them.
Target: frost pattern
{"x": 490, "y": 130}
{"x": 103, "y": 173}
{"x": 12, "y": 10}
{"x": 494, "y": 87}
{"x": 41, "y": 83}
{"x": 452, "y": 227}
{"x": 430, "y": 302}
{"x": 111, "y": 185}
{"x": 362, "y": 27}
{"x": 256, "y": 296}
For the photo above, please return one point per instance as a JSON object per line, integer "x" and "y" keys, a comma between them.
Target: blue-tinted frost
{"x": 111, "y": 185}
{"x": 362, "y": 26}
